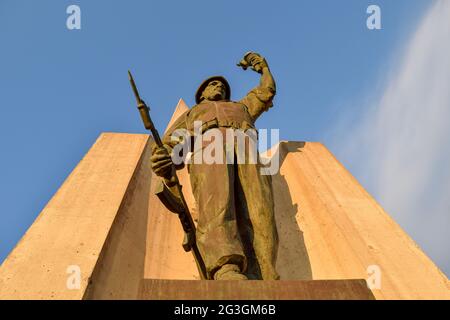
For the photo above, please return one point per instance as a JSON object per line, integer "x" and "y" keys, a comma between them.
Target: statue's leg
{"x": 217, "y": 234}
{"x": 246, "y": 231}
{"x": 255, "y": 198}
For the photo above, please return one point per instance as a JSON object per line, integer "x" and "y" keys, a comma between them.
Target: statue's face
{"x": 214, "y": 91}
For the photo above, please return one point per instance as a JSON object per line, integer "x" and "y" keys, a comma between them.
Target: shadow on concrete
{"x": 293, "y": 260}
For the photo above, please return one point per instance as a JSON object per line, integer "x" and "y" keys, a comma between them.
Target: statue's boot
{"x": 229, "y": 272}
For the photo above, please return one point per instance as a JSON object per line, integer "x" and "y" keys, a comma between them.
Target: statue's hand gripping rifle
{"x": 169, "y": 191}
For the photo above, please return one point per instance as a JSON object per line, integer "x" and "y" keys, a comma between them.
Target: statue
{"x": 236, "y": 233}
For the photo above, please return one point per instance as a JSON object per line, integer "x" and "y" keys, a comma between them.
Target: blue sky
{"x": 59, "y": 89}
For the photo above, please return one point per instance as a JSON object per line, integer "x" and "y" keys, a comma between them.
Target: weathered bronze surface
{"x": 236, "y": 232}
{"x": 169, "y": 191}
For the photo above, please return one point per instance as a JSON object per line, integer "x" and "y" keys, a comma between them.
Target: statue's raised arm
{"x": 260, "y": 98}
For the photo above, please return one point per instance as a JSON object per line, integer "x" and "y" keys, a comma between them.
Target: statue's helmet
{"x": 198, "y": 94}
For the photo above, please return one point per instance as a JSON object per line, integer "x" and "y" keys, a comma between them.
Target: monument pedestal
{"x": 105, "y": 230}
{"x": 157, "y": 289}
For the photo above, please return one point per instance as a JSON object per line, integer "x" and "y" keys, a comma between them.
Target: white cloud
{"x": 398, "y": 146}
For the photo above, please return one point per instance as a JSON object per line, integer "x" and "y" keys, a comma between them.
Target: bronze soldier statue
{"x": 236, "y": 232}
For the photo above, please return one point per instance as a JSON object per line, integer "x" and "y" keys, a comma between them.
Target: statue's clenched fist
{"x": 253, "y": 60}
{"x": 161, "y": 161}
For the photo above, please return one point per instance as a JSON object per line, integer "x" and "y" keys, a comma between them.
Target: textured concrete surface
{"x": 96, "y": 221}
{"x": 106, "y": 220}
{"x": 329, "y": 227}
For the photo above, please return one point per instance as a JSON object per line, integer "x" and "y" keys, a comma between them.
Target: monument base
{"x": 106, "y": 222}
{"x": 157, "y": 289}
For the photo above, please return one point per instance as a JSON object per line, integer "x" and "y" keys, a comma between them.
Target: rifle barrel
{"x": 185, "y": 217}
{"x": 144, "y": 112}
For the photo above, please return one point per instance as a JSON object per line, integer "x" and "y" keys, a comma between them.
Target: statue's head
{"x": 213, "y": 89}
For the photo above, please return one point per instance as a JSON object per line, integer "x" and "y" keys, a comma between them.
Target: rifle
{"x": 169, "y": 191}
